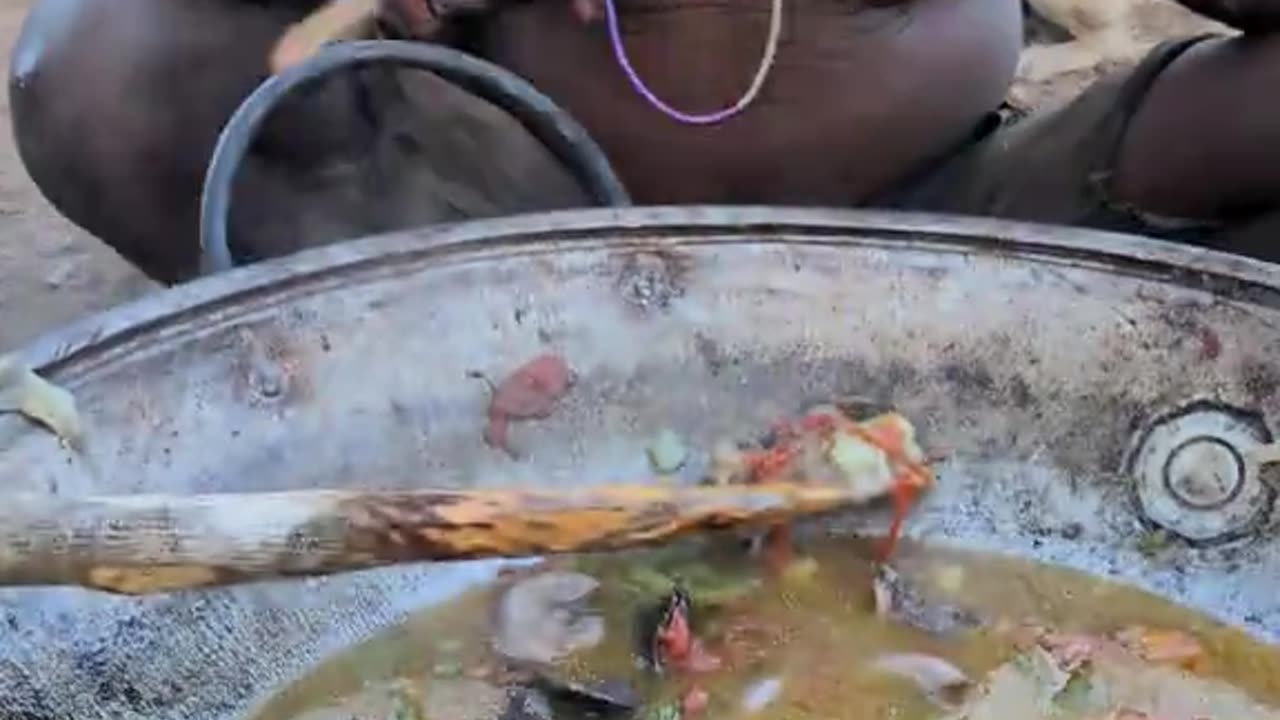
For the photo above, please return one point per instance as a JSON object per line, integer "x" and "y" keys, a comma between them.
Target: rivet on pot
{"x": 1192, "y": 477}
{"x": 1204, "y": 473}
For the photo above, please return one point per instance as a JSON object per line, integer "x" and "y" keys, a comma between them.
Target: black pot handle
{"x": 548, "y": 123}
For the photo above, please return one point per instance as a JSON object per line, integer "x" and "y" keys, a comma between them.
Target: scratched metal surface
{"x": 1033, "y": 356}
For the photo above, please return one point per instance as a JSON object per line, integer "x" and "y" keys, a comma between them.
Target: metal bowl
{"x": 1086, "y": 387}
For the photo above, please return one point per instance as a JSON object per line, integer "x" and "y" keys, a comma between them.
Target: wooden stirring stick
{"x": 156, "y": 543}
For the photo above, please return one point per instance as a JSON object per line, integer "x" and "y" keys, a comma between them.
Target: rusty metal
{"x": 1036, "y": 359}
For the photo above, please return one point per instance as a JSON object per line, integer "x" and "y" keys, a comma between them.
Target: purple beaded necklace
{"x": 757, "y": 82}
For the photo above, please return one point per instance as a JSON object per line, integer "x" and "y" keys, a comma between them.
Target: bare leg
{"x": 117, "y": 104}
{"x": 1205, "y": 143}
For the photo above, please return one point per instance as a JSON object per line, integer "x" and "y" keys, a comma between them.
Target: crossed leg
{"x": 1205, "y": 141}
{"x": 1186, "y": 146}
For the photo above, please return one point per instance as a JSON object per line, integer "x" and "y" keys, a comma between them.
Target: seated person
{"x": 117, "y": 105}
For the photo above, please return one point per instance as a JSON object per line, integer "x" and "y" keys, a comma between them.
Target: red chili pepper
{"x": 680, "y": 649}
{"x": 904, "y": 496}
{"x": 675, "y": 639}
{"x": 779, "y": 548}
{"x": 910, "y": 478}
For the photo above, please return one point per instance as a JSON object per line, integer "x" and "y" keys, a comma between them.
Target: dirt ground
{"x": 51, "y": 272}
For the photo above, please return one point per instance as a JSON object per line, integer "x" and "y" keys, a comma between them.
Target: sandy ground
{"x": 52, "y": 272}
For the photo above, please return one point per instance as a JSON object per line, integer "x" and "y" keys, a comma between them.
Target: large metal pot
{"x": 1086, "y": 386}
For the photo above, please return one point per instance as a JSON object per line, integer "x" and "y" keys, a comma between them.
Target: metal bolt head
{"x": 1205, "y": 473}
{"x": 1192, "y": 477}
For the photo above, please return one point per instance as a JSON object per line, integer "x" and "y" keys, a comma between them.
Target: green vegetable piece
{"x": 667, "y": 452}
{"x": 696, "y": 573}
{"x": 800, "y": 572}
{"x": 859, "y": 462}
{"x": 405, "y": 705}
{"x": 666, "y": 711}
{"x": 708, "y": 587}
{"x": 1075, "y": 695}
{"x": 402, "y": 711}
{"x": 725, "y": 593}
{"x": 1154, "y": 542}
{"x": 449, "y": 646}
{"x": 446, "y": 670}
{"x": 648, "y": 581}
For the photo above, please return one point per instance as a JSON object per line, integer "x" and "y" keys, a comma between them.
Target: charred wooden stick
{"x": 156, "y": 543}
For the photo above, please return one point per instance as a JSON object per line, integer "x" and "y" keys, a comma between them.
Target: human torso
{"x": 858, "y": 98}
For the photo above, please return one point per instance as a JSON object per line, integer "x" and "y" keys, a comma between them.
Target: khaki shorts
{"x": 1056, "y": 166}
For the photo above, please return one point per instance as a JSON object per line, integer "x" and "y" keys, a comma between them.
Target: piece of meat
{"x": 700, "y": 659}
{"x": 898, "y": 599}
{"x": 1071, "y": 650}
{"x": 940, "y": 681}
{"x": 542, "y": 619}
{"x": 694, "y": 702}
{"x": 529, "y": 393}
{"x": 533, "y": 389}
{"x": 1172, "y": 647}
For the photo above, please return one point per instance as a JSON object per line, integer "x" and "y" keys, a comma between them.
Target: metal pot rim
{"x": 1222, "y": 273}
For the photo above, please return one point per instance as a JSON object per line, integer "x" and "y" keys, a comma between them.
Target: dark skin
{"x": 1223, "y": 94}
{"x": 121, "y": 147}
{"x": 1251, "y": 16}
{"x": 871, "y": 92}
{"x": 1219, "y": 92}
{"x": 117, "y": 104}
{"x": 863, "y": 93}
